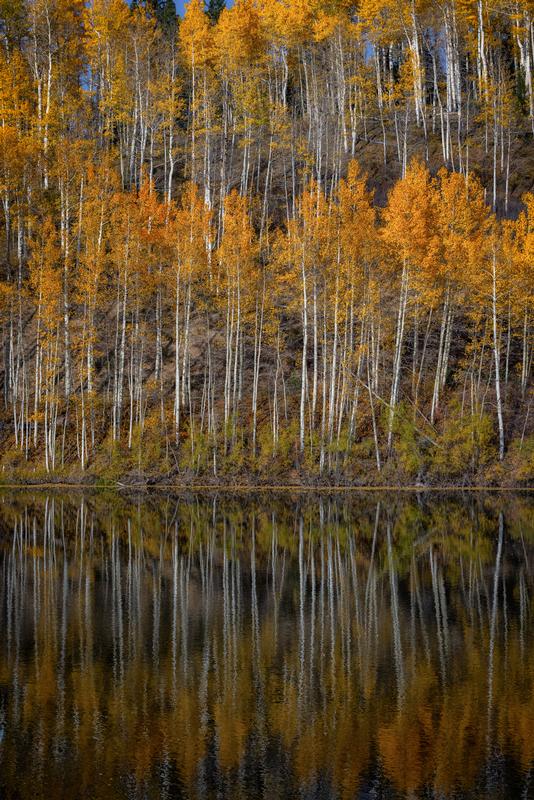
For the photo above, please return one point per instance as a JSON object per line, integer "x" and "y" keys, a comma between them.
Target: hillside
{"x": 288, "y": 242}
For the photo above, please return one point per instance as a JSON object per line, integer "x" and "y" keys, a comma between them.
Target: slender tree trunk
{"x": 496, "y": 354}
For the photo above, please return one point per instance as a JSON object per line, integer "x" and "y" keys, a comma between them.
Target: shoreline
{"x": 259, "y": 488}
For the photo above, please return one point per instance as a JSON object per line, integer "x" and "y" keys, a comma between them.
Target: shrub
{"x": 465, "y": 445}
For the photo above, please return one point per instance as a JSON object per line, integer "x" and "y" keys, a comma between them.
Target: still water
{"x": 266, "y": 647}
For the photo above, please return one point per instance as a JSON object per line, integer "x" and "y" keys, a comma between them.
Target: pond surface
{"x": 360, "y": 646}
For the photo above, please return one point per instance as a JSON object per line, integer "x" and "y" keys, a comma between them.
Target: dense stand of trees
{"x": 283, "y": 237}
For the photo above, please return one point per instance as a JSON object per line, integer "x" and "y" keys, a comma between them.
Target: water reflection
{"x": 373, "y": 647}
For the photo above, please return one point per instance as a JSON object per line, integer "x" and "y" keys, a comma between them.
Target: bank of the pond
{"x": 163, "y": 485}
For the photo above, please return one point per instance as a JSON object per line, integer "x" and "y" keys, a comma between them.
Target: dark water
{"x": 298, "y": 647}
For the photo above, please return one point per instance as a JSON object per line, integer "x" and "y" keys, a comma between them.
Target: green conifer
{"x": 214, "y": 8}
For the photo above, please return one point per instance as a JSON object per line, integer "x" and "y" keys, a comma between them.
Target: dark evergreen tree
{"x": 166, "y": 14}
{"x": 214, "y": 8}
{"x": 164, "y": 11}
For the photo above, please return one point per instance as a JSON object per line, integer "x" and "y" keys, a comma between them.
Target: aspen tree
{"x": 196, "y": 42}
{"x": 522, "y": 283}
{"x": 190, "y": 270}
{"x": 45, "y": 277}
{"x": 462, "y": 219}
{"x": 356, "y": 221}
{"x": 409, "y": 231}
{"x": 237, "y": 261}
{"x": 94, "y": 221}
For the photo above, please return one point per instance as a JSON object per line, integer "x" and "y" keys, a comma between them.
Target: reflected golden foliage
{"x": 148, "y": 640}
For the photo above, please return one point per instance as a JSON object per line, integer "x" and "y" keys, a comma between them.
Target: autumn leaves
{"x": 316, "y": 337}
{"x": 191, "y": 255}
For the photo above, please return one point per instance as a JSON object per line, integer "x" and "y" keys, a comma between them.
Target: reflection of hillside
{"x": 221, "y": 650}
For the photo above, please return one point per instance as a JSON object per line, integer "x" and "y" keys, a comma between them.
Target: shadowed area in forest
{"x": 266, "y": 646}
